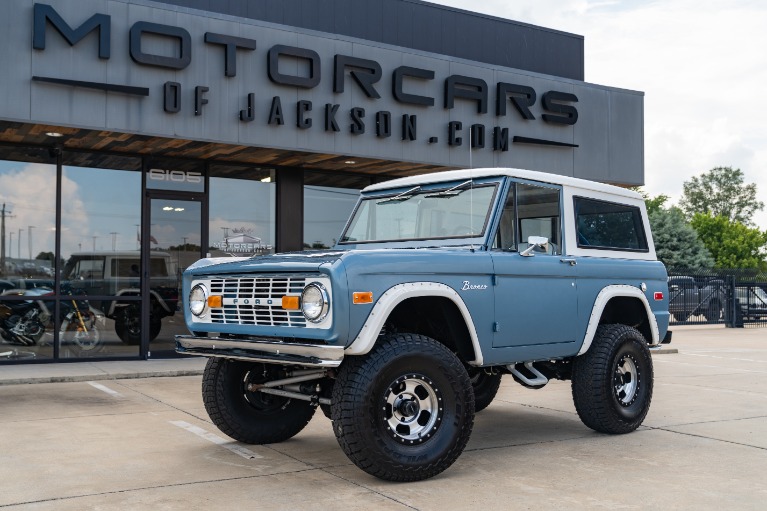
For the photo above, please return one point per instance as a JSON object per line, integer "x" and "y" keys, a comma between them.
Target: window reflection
{"x": 326, "y": 210}
{"x": 27, "y": 261}
{"x": 242, "y": 211}
{"x": 100, "y": 225}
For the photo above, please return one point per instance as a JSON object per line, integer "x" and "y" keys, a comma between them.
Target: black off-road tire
{"x": 713, "y": 311}
{"x": 485, "y": 387}
{"x": 128, "y": 326}
{"x": 612, "y": 382}
{"x": 404, "y": 411}
{"x": 250, "y": 417}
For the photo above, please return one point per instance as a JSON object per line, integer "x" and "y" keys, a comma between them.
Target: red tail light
{"x": 658, "y": 296}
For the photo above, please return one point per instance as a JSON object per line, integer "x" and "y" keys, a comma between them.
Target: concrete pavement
{"x": 147, "y": 443}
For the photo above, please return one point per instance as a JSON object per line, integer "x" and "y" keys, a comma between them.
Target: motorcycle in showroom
{"x": 24, "y": 323}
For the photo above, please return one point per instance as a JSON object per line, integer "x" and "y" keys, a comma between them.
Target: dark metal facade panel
{"x": 400, "y": 26}
{"x": 420, "y": 26}
{"x": 274, "y": 12}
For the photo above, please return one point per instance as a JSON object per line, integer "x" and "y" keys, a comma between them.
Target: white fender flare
{"x": 600, "y": 303}
{"x": 397, "y": 294}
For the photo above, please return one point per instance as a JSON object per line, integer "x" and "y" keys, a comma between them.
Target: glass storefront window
{"x": 242, "y": 211}
{"x": 326, "y": 210}
{"x": 100, "y": 250}
{"x": 27, "y": 260}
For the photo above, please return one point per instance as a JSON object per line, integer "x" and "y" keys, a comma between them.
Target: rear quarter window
{"x": 603, "y": 225}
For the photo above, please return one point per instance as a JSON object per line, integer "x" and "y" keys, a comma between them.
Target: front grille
{"x": 261, "y": 289}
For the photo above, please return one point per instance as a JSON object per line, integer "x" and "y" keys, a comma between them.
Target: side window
{"x": 159, "y": 267}
{"x": 505, "y": 238}
{"x": 89, "y": 269}
{"x": 72, "y": 271}
{"x": 125, "y": 267}
{"x": 608, "y": 225}
{"x": 538, "y": 210}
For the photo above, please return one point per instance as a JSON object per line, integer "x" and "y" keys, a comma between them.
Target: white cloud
{"x": 701, "y": 64}
{"x": 30, "y": 198}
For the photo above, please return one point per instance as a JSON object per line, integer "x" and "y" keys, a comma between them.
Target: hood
{"x": 287, "y": 261}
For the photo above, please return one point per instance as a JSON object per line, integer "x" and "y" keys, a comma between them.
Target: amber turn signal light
{"x": 291, "y": 303}
{"x": 362, "y": 297}
{"x": 215, "y": 301}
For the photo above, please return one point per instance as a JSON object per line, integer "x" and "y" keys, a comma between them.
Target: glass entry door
{"x": 172, "y": 241}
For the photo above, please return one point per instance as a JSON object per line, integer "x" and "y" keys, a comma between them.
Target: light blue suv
{"x": 440, "y": 284}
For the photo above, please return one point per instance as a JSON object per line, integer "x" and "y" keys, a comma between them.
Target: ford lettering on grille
{"x": 257, "y": 301}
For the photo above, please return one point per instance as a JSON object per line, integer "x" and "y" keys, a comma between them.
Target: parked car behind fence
{"x": 736, "y": 297}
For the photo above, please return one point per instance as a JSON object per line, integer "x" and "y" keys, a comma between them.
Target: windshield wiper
{"x": 407, "y": 194}
{"x": 450, "y": 192}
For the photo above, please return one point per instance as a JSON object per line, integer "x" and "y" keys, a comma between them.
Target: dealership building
{"x": 137, "y": 136}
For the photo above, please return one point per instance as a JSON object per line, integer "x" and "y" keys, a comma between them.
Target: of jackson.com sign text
{"x": 301, "y": 69}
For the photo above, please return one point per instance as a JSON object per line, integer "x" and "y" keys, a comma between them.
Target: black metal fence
{"x": 737, "y": 298}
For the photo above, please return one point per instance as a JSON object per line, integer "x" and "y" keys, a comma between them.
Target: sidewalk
{"x": 88, "y": 371}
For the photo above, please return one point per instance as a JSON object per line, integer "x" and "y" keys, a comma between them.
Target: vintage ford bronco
{"x": 440, "y": 284}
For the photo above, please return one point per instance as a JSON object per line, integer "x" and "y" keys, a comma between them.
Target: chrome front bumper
{"x": 261, "y": 350}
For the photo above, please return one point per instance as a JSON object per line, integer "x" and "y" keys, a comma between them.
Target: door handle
{"x": 571, "y": 262}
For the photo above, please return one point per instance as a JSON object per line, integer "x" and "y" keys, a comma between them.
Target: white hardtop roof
{"x": 532, "y": 175}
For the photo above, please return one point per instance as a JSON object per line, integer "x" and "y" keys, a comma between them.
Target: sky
{"x": 702, "y": 65}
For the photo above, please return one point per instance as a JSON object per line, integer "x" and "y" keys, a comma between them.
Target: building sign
{"x": 140, "y": 67}
{"x": 242, "y": 243}
{"x": 300, "y": 68}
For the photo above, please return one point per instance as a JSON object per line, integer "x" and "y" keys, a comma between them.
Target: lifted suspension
{"x": 296, "y": 377}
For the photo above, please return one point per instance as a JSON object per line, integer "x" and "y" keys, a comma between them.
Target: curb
{"x": 663, "y": 351}
{"x": 103, "y": 376}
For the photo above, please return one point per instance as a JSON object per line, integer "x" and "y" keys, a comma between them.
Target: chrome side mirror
{"x": 534, "y": 242}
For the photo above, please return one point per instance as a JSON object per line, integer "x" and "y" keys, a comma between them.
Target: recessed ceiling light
{"x": 267, "y": 180}
{"x": 179, "y": 209}
{"x": 167, "y": 208}
{"x": 350, "y": 162}
{"x": 54, "y": 134}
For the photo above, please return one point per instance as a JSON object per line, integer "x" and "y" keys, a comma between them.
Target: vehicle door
{"x": 536, "y": 297}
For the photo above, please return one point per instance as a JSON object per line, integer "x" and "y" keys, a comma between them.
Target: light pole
{"x": 10, "y": 246}
{"x": 94, "y": 242}
{"x": 18, "y": 246}
{"x": 29, "y": 240}
{"x": 114, "y": 240}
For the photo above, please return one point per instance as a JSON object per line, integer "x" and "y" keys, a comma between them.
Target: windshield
{"x": 455, "y": 211}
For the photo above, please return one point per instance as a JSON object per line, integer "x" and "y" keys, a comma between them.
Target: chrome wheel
{"x": 626, "y": 380}
{"x": 413, "y": 409}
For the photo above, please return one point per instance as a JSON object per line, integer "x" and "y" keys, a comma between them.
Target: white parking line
{"x": 734, "y": 369}
{"x": 104, "y": 388}
{"x": 726, "y": 358}
{"x": 210, "y": 437}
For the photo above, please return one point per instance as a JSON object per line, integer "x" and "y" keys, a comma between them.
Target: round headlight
{"x": 315, "y": 302}
{"x": 198, "y": 300}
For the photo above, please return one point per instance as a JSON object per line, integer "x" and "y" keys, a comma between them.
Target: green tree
{"x": 46, "y": 256}
{"x": 676, "y": 242}
{"x": 732, "y": 244}
{"x": 721, "y": 192}
{"x": 653, "y": 204}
